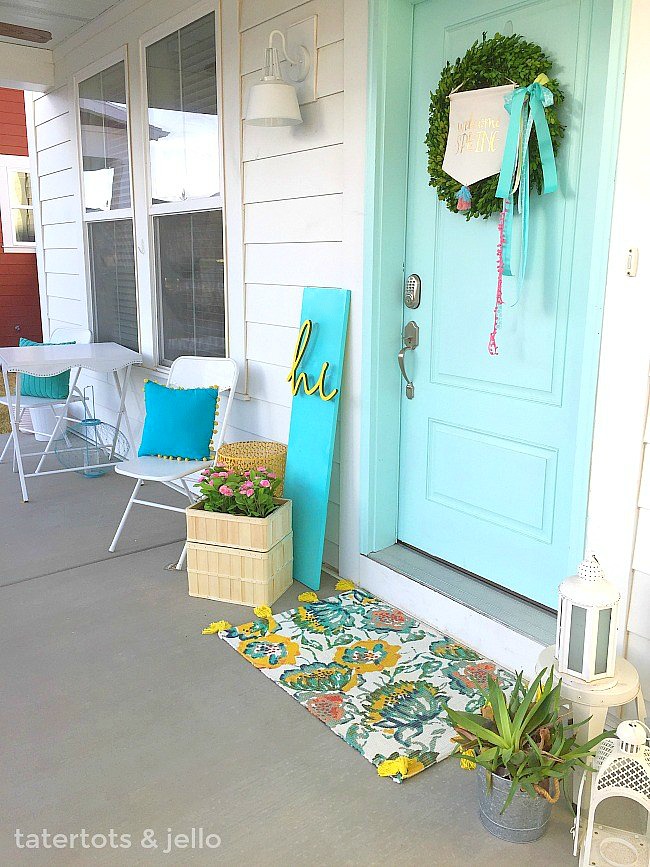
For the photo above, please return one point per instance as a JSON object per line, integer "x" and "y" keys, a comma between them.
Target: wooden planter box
{"x": 238, "y": 531}
{"x": 233, "y": 558}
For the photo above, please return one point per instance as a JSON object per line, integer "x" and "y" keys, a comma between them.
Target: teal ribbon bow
{"x": 525, "y": 105}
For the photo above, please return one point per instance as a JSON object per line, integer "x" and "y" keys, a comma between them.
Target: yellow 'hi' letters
{"x": 300, "y": 379}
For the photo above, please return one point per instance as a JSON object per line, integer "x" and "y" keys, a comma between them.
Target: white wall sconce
{"x": 274, "y": 101}
{"x": 587, "y": 624}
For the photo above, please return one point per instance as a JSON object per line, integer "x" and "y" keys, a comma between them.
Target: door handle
{"x": 411, "y": 340}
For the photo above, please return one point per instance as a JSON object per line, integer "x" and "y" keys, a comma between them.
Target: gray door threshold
{"x": 519, "y": 614}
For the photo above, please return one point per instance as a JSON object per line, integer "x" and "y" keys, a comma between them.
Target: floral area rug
{"x": 376, "y": 677}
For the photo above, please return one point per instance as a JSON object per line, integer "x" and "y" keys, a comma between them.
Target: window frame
{"x": 212, "y": 203}
{"x": 231, "y": 168}
{"x": 10, "y": 244}
{"x": 121, "y": 55}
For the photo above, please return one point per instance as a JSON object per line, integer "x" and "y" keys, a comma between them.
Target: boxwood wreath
{"x": 488, "y": 63}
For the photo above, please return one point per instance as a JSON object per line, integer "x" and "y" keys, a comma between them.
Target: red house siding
{"x": 19, "y": 300}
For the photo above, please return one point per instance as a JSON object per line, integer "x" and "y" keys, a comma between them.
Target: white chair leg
{"x": 129, "y": 505}
{"x": 7, "y": 444}
{"x": 182, "y": 558}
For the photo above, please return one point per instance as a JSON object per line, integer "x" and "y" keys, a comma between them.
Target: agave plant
{"x": 523, "y": 738}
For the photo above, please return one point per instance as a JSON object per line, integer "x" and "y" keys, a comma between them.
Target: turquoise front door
{"x": 493, "y": 449}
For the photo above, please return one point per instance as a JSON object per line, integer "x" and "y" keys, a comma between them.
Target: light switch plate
{"x": 303, "y": 33}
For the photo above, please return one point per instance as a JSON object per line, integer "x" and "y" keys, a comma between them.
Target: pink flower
{"x": 211, "y": 482}
{"x": 225, "y": 490}
{"x": 247, "y": 473}
{"x": 272, "y": 475}
{"x": 223, "y": 475}
{"x": 264, "y": 483}
{"x": 248, "y": 492}
{"x": 261, "y": 469}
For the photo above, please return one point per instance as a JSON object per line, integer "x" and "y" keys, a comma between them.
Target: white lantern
{"x": 622, "y": 770}
{"x": 587, "y": 624}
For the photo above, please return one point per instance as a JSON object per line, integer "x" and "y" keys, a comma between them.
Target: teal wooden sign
{"x": 315, "y": 380}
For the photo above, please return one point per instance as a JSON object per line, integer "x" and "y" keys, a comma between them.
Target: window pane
{"x": 105, "y": 140}
{"x": 23, "y": 225}
{"x": 112, "y": 273}
{"x": 20, "y": 188}
{"x": 183, "y": 127}
{"x": 577, "y": 637}
{"x": 189, "y": 256}
{"x": 602, "y": 640}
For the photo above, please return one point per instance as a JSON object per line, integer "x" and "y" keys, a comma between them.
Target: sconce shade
{"x": 587, "y": 623}
{"x": 273, "y": 102}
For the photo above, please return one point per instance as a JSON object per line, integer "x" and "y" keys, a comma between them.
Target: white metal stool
{"x": 593, "y": 700}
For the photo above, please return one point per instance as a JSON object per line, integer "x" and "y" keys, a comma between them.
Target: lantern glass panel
{"x": 577, "y": 637}
{"x": 602, "y": 640}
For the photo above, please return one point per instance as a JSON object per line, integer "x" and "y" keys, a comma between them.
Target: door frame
{"x": 389, "y": 65}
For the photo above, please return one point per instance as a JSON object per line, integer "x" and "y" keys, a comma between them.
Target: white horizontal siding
{"x": 269, "y": 382}
{"x": 290, "y": 176}
{"x": 317, "y": 264}
{"x": 638, "y": 652}
{"x": 273, "y": 305}
{"x": 312, "y": 219}
{"x": 255, "y": 36}
{"x": 272, "y": 344}
{"x": 62, "y": 256}
{"x": 293, "y": 185}
{"x": 638, "y": 621}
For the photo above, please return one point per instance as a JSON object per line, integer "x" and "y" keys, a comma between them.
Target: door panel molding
{"x": 449, "y": 469}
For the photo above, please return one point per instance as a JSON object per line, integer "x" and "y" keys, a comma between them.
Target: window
{"x": 185, "y": 191}
{"x": 16, "y": 205}
{"x": 190, "y": 284}
{"x": 112, "y": 278}
{"x": 105, "y": 141}
{"x": 104, "y": 133}
{"x": 153, "y": 214}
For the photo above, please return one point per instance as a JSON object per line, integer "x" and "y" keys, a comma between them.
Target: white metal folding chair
{"x": 65, "y": 334}
{"x": 186, "y": 372}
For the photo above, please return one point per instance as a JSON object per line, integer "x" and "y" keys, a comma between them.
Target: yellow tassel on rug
{"x": 309, "y": 596}
{"x": 343, "y": 584}
{"x": 217, "y": 626}
{"x": 404, "y": 766}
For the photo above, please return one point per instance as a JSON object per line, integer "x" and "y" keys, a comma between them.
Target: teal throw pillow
{"x": 52, "y": 387}
{"x": 179, "y": 422}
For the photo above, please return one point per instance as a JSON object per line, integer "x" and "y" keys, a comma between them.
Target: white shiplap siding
{"x": 638, "y": 623}
{"x": 293, "y": 185}
{"x": 63, "y": 266}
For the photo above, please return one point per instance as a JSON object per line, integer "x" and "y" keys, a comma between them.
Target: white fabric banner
{"x": 478, "y": 123}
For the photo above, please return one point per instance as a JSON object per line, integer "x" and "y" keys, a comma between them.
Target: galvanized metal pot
{"x": 525, "y": 820}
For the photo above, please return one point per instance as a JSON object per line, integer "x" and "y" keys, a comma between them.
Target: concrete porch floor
{"x": 117, "y": 713}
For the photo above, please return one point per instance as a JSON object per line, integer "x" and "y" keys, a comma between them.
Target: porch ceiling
{"x": 60, "y": 17}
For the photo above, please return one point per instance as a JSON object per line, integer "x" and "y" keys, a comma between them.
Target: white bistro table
{"x": 50, "y": 360}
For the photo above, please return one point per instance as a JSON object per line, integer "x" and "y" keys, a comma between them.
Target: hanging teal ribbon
{"x": 525, "y": 106}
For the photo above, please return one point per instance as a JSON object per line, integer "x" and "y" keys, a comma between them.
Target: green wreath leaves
{"x": 488, "y": 63}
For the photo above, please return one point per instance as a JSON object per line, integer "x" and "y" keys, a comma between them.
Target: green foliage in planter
{"x": 527, "y": 740}
{"x": 488, "y": 63}
{"x": 251, "y": 493}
